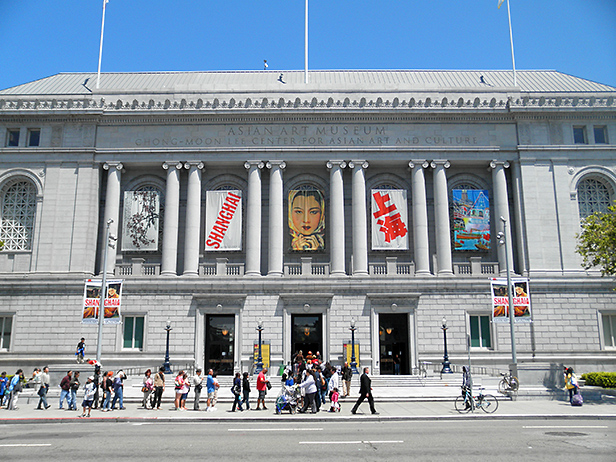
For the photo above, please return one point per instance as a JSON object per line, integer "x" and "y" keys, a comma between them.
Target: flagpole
{"x": 100, "y": 52}
{"x": 306, "y": 45}
{"x": 515, "y": 81}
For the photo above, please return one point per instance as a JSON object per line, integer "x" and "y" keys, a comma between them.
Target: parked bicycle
{"x": 468, "y": 403}
{"x": 509, "y": 383}
{"x": 422, "y": 369}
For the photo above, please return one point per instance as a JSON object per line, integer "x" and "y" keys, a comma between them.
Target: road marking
{"x": 275, "y": 429}
{"x": 565, "y": 426}
{"x": 31, "y": 445}
{"x": 351, "y": 442}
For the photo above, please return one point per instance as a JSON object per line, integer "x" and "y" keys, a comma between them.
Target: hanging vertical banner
{"x": 389, "y": 219}
{"x": 113, "y": 298}
{"x": 265, "y": 354}
{"x": 520, "y": 299}
{"x": 471, "y": 219}
{"x": 307, "y": 219}
{"x": 140, "y": 222}
{"x": 223, "y": 220}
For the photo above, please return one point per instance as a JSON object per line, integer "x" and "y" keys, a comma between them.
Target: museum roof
{"x": 391, "y": 81}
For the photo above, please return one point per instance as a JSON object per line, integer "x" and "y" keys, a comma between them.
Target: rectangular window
{"x": 34, "y": 136}
{"x": 481, "y": 335}
{"x": 609, "y": 330}
{"x": 579, "y": 135}
{"x": 133, "y": 332}
{"x": 6, "y": 324}
{"x": 12, "y": 137}
{"x": 600, "y": 135}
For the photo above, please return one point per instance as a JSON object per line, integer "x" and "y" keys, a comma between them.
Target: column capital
{"x": 250, "y": 163}
{"x": 440, "y": 163}
{"x": 194, "y": 163}
{"x": 177, "y": 165}
{"x": 359, "y": 163}
{"x": 423, "y": 163}
{"x": 495, "y": 163}
{"x": 340, "y": 163}
{"x": 273, "y": 163}
{"x": 116, "y": 165}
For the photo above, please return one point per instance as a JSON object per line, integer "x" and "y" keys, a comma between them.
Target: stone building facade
{"x": 73, "y": 158}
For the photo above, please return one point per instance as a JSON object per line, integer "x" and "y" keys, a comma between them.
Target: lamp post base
{"x": 446, "y": 367}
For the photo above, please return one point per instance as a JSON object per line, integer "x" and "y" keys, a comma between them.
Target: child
{"x": 81, "y": 350}
{"x": 88, "y": 397}
{"x": 334, "y": 400}
{"x": 3, "y": 384}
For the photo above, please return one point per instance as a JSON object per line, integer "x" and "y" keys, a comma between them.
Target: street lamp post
{"x": 503, "y": 239}
{"x": 353, "y": 358}
{"x": 167, "y": 364}
{"x": 260, "y": 357}
{"x": 446, "y": 365}
{"x": 101, "y": 302}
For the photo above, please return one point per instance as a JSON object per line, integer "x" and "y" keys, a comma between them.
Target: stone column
{"x": 421, "y": 246}
{"x": 172, "y": 218}
{"x": 501, "y": 209}
{"x": 522, "y": 262}
{"x": 336, "y": 222}
{"x": 441, "y": 215}
{"x": 112, "y": 212}
{"x": 276, "y": 219}
{"x": 193, "y": 219}
{"x": 253, "y": 218}
{"x": 360, "y": 218}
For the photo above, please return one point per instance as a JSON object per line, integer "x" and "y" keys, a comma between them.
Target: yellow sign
{"x": 265, "y": 354}
{"x": 346, "y": 348}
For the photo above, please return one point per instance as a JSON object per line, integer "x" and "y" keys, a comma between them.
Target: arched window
{"x": 18, "y": 212}
{"x": 593, "y": 196}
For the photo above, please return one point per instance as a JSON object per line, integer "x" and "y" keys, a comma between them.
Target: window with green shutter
{"x": 481, "y": 336}
{"x": 133, "y": 332}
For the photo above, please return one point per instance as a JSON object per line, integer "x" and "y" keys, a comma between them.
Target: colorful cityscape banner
{"x": 223, "y": 220}
{"x": 389, "y": 219}
{"x": 141, "y": 221}
{"x": 471, "y": 219}
{"x": 91, "y": 301}
{"x": 520, "y": 299}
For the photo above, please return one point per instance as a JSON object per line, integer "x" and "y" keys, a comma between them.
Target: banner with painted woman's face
{"x": 223, "y": 220}
{"x": 389, "y": 219}
{"x": 307, "y": 219}
{"x": 91, "y": 301}
{"x": 520, "y": 297}
{"x": 471, "y": 219}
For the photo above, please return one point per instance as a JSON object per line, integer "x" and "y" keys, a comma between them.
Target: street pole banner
{"x": 389, "y": 219}
{"x": 140, "y": 221}
{"x": 223, "y": 221}
{"x": 347, "y": 352}
{"x": 471, "y": 219}
{"x": 265, "y": 354}
{"x": 520, "y": 298}
{"x": 113, "y": 298}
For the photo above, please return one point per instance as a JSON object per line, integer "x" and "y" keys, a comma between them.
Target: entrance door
{"x": 307, "y": 333}
{"x": 219, "y": 340}
{"x": 394, "y": 343}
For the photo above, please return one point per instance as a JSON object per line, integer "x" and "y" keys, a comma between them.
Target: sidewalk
{"x": 406, "y": 410}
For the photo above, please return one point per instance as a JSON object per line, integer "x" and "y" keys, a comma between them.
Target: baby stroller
{"x": 288, "y": 399}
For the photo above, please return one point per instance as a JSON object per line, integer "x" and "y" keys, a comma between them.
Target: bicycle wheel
{"x": 488, "y": 403}
{"x": 460, "y": 405}
{"x": 514, "y": 385}
{"x": 502, "y": 386}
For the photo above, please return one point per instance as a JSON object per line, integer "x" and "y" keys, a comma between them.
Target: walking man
{"x": 65, "y": 384}
{"x": 211, "y": 389}
{"x": 365, "y": 391}
{"x": 43, "y": 383}
{"x": 197, "y": 382}
{"x": 347, "y": 375}
{"x": 261, "y": 388}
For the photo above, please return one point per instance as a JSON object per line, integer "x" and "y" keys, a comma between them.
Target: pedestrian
{"x": 4, "y": 381}
{"x": 237, "y": 392}
{"x": 310, "y": 389}
{"x": 571, "y": 383}
{"x": 347, "y": 375}
{"x": 197, "y": 382}
{"x": 397, "y": 362}
{"x": 88, "y": 396}
{"x": 246, "y": 390}
{"x": 147, "y": 387}
{"x": 216, "y": 388}
{"x": 118, "y": 390}
{"x": 80, "y": 351}
{"x": 43, "y": 388}
{"x": 466, "y": 387}
{"x": 262, "y": 388}
{"x": 318, "y": 381}
{"x": 335, "y": 406}
{"x": 107, "y": 391}
{"x": 185, "y": 390}
{"x": 365, "y": 391}
{"x": 14, "y": 388}
{"x": 210, "y": 387}
{"x": 179, "y": 384}
{"x": 65, "y": 385}
{"x": 74, "y": 384}
{"x": 97, "y": 383}
{"x": 334, "y": 382}
{"x": 159, "y": 387}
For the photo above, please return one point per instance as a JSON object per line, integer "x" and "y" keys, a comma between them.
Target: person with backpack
{"x": 118, "y": 389}
{"x": 571, "y": 383}
{"x": 74, "y": 386}
{"x": 14, "y": 389}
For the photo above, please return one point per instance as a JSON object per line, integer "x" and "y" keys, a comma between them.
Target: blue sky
{"x": 39, "y": 38}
